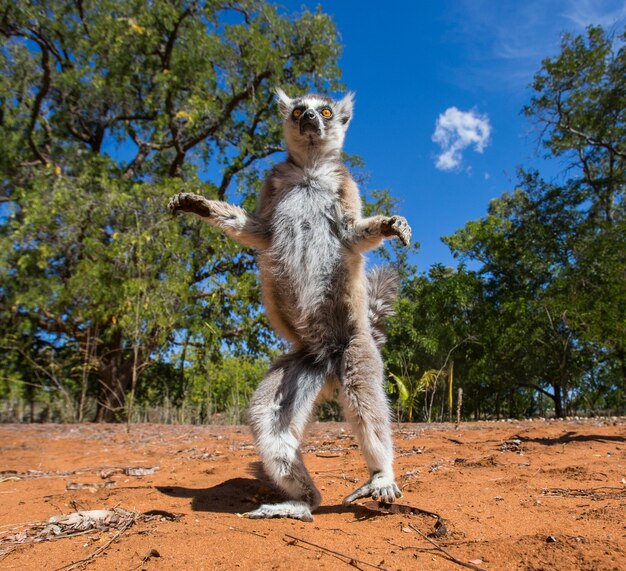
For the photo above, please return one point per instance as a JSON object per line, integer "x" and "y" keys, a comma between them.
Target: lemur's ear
{"x": 284, "y": 102}
{"x": 344, "y": 108}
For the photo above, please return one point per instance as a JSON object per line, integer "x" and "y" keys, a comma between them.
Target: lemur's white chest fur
{"x": 306, "y": 252}
{"x": 321, "y": 176}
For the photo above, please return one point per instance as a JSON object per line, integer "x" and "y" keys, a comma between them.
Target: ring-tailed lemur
{"x": 309, "y": 236}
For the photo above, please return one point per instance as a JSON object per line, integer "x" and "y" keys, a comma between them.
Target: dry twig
{"x": 100, "y": 549}
{"x": 447, "y": 553}
{"x": 240, "y": 529}
{"x": 341, "y": 556}
{"x": 440, "y": 526}
{"x": 601, "y": 493}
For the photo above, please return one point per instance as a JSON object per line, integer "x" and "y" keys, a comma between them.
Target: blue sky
{"x": 411, "y": 62}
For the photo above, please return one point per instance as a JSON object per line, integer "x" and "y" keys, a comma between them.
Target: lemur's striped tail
{"x": 383, "y": 284}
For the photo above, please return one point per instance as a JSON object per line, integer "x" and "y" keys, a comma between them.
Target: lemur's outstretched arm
{"x": 362, "y": 234}
{"x": 245, "y": 228}
{"x": 367, "y": 233}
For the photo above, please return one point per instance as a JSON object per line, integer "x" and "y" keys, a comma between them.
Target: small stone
{"x": 551, "y": 539}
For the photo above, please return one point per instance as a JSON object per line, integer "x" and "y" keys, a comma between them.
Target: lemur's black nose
{"x": 308, "y": 114}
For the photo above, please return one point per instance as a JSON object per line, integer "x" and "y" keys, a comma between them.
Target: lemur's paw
{"x": 398, "y": 226}
{"x": 382, "y": 488}
{"x": 177, "y": 203}
{"x": 189, "y": 202}
{"x": 293, "y": 509}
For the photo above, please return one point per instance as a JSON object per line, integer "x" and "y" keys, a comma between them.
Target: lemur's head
{"x": 314, "y": 123}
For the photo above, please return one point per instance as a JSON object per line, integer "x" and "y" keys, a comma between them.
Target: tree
{"x": 107, "y": 108}
{"x": 553, "y": 254}
{"x": 581, "y": 103}
{"x": 432, "y": 328}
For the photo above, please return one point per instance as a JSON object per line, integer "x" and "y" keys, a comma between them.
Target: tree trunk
{"x": 498, "y": 401}
{"x": 621, "y": 404}
{"x": 559, "y": 411}
{"x": 114, "y": 379}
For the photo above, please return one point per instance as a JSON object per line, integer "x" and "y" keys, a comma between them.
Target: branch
{"x": 140, "y": 157}
{"x": 42, "y": 369}
{"x": 83, "y": 136}
{"x": 238, "y": 165}
{"x": 228, "y": 109}
{"x": 562, "y": 121}
{"x": 178, "y": 161}
{"x": 41, "y": 94}
{"x": 468, "y": 339}
{"x": 166, "y": 57}
{"x": 587, "y": 171}
{"x": 55, "y": 324}
{"x": 135, "y": 117}
{"x": 222, "y": 267}
{"x": 537, "y": 388}
{"x": 81, "y": 13}
{"x": 590, "y": 140}
{"x": 447, "y": 553}
{"x": 244, "y": 160}
{"x": 209, "y": 131}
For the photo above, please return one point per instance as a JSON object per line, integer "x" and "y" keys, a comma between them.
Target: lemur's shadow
{"x": 236, "y": 495}
{"x": 240, "y": 495}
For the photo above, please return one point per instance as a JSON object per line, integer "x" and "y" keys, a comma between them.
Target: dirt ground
{"x": 512, "y": 495}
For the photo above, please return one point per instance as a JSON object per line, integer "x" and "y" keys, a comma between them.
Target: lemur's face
{"x": 315, "y": 120}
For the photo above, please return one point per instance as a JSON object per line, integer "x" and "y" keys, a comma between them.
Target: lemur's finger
{"x": 173, "y": 205}
{"x": 402, "y": 229}
{"x": 388, "y": 494}
{"x": 178, "y": 202}
{"x": 362, "y": 492}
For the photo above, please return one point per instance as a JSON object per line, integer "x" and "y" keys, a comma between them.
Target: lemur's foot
{"x": 397, "y": 226}
{"x": 293, "y": 509}
{"x": 380, "y": 487}
{"x": 189, "y": 202}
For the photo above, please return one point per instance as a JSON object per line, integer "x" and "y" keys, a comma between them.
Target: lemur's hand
{"x": 397, "y": 226}
{"x": 189, "y": 202}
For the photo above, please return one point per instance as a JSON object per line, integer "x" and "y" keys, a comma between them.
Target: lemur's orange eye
{"x": 327, "y": 113}
{"x": 296, "y": 113}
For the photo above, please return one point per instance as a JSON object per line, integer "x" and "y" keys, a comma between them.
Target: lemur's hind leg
{"x": 279, "y": 412}
{"x": 365, "y": 405}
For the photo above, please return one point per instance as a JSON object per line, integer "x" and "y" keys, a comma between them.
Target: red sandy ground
{"x": 501, "y": 502}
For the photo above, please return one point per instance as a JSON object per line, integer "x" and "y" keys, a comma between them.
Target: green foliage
{"x": 109, "y": 108}
{"x": 433, "y": 325}
{"x": 552, "y": 255}
{"x": 391, "y": 252}
{"x": 111, "y": 309}
{"x": 410, "y": 389}
{"x": 202, "y": 390}
{"x": 538, "y": 324}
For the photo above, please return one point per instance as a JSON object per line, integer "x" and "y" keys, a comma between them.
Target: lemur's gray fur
{"x": 309, "y": 236}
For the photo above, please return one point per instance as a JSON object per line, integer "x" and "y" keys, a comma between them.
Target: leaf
{"x": 135, "y": 26}
{"x": 184, "y": 115}
{"x": 141, "y": 471}
{"x": 402, "y": 388}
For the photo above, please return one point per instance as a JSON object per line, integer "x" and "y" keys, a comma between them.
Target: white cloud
{"x": 605, "y": 13}
{"x": 505, "y": 42}
{"x": 457, "y": 130}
